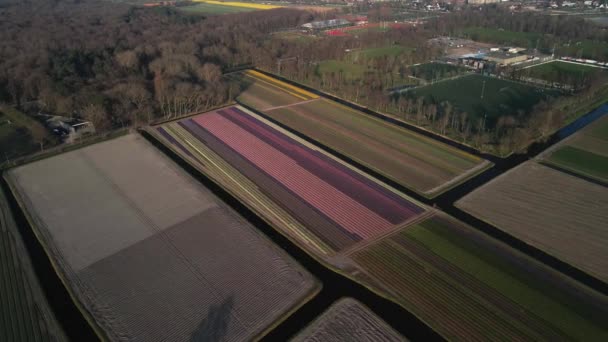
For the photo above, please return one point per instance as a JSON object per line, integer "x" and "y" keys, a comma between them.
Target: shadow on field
{"x": 215, "y": 326}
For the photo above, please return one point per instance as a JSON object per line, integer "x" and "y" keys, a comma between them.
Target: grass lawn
{"x": 500, "y": 97}
{"x": 585, "y": 49}
{"x": 213, "y": 9}
{"x": 555, "y": 71}
{"x": 525, "y": 289}
{"x": 435, "y": 71}
{"x": 15, "y": 134}
{"x": 350, "y": 70}
{"x": 499, "y": 36}
{"x": 390, "y": 50}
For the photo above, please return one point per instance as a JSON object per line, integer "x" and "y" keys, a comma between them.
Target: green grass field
{"x": 15, "y": 134}
{"x": 480, "y": 96}
{"x": 212, "y": 9}
{"x": 499, "y": 36}
{"x": 348, "y": 69}
{"x": 583, "y": 161}
{"x": 585, "y": 49}
{"x": 586, "y": 152}
{"x": 435, "y": 71}
{"x": 390, "y": 50}
{"x": 556, "y": 71}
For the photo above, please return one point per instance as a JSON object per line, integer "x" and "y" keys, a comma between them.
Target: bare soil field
{"x": 150, "y": 253}
{"x": 348, "y": 320}
{"x": 560, "y": 214}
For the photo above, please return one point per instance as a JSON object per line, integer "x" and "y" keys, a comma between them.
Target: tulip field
{"x": 470, "y": 287}
{"x": 336, "y": 205}
{"x": 419, "y": 163}
{"x": 461, "y": 283}
{"x": 149, "y": 253}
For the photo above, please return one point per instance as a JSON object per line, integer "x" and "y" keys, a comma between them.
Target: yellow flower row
{"x": 298, "y": 90}
{"x": 238, "y": 4}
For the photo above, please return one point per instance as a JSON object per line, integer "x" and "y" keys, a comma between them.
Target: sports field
{"x": 468, "y": 286}
{"x": 558, "y": 71}
{"x": 348, "y": 320}
{"x": 584, "y": 153}
{"x": 500, "y": 36}
{"x": 169, "y": 265}
{"x": 481, "y": 95}
{"x": 25, "y": 314}
{"x": 319, "y": 201}
{"x": 419, "y": 163}
{"x": 561, "y": 214}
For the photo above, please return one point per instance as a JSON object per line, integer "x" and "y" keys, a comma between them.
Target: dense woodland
{"x": 119, "y": 65}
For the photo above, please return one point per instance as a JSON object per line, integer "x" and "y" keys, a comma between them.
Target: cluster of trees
{"x": 118, "y": 65}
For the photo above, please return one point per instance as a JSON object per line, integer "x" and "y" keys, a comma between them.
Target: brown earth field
{"x": 172, "y": 263}
{"x": 348, "y": 320}
{"x": 561, "y": 214}
{"x": 412, "y": 160}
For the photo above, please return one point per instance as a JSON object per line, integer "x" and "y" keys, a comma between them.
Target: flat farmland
{"x": 169, "y": 266}
{"x": 463, "y": 284}
{"x": 561, "y": 214}
{"x": 468, "y": 286}
{"x": 416, "y": 162}
{"x": 313, "y": 198}
{"x": 25, "y": 314}
{"x": 348, "y": 320}
{"x": 584, "y": 153}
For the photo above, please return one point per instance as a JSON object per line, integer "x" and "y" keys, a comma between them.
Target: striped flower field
{"x": 335, "y": 204}
{"x": 411, "y": 160}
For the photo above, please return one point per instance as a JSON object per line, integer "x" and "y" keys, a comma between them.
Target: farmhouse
{"x": 505, "y": 58}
